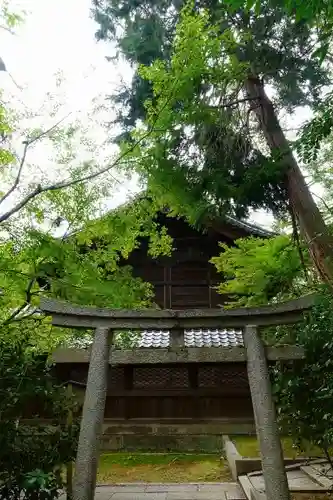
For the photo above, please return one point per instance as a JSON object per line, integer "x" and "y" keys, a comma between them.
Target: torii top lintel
{"x": 74, "y": 316}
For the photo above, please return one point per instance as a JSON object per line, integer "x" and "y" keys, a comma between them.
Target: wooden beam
{"x": 180, "y": 355}
{"x": 174, "y": 393}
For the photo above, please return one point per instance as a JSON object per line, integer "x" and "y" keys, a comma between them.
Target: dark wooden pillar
{"x": 193, "y": 377}
{"x": 128, "y": 386}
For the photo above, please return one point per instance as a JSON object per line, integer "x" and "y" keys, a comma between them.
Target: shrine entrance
{"x": 177, "y": 323}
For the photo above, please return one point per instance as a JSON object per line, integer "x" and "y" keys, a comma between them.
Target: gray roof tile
{"x": 194, "y": 338}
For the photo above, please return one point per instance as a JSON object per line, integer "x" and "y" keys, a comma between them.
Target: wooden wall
{"x": 186, "y": 279}
{"x": 184, "y": 391}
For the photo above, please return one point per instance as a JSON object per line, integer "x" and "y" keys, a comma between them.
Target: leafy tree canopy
{"x": 309, "y": 419}
{"x": 268, "y": 39}
{"x": 27, "y": 389}
{"x": 203, "y": 146}
{"x": 258, "y": 271}
{"x": 48, "y": 226}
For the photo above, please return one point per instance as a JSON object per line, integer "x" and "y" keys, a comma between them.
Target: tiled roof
{"x": 248, "y": 226}
{"x": 193, "y": 338}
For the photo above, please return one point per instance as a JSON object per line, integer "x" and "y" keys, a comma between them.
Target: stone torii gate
{"x": 105, "y": 321}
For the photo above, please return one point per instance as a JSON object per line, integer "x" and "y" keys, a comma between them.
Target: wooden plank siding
{"x": 173, "y": 392}
{"x": 182, "y": 286}
{"x": 186, "y": 279}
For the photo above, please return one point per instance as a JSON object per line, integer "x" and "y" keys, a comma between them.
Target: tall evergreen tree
{"x": 270, "y": 48}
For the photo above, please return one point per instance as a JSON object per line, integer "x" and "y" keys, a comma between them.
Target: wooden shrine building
{"x": 177, "y": 406}
{"x": 187, "y": 279}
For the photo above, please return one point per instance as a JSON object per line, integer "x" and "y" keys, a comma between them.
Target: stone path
{"x": 175, "y": 491}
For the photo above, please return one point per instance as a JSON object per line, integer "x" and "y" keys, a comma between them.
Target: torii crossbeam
{"x": 105, "y": 321}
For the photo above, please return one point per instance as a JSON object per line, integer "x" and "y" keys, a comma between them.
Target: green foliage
{"x": 55, "y": 244}
{"x": 199, "y": 148}
{"x": 42, "y": 485}
{"x": 276, "y": 46}
{"x": 316, "y": 131}
{"x": 85, "y": 268}
{"x": 318, "y": 15}
{"x": 6, "y": 156}
{"x": 192, "y": 166}
{"x": 9, "y": 18}
{"x": 309, "y": 418}
{"x": 307, "y": 11}
{"x": 52, "y": 243}
{"x": 31, "y": 456}
{"x": 257, "y": 271}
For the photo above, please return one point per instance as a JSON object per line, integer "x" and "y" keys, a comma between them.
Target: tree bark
{"x": 307, "y": 214}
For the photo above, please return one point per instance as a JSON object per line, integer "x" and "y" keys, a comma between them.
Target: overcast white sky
{"x": 59, "y": 35}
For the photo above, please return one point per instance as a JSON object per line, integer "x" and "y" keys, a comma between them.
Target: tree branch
{"x": 238, "y": 101}
{"x": 328, "y": 208}
{"x": 31, "y": 315}
{"x": 72, "y": 182}
{"x": 28, "y": 293}
{"x": 27, "y": 143}
{"x": 7, "y": 29}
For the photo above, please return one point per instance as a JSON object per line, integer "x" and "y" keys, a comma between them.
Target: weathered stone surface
{"x": 138, "y": 496}
{"x": 171, "y": 488}
{"x": 182, "y": 495}
{"x": 92, "y": 419}
{"x": 112, "y": 443}
{"x": 214, "y": 487}
{"x": 258, "y": 495}
{"x": 232, "y": 456}
{"x": 69, "y": 315}
{"x": 323, "y": 474}
{"x": 148, "y": 436}
{"x": 180, "y": 355}
{"x": 211, "y": 495}
{"x": 171, "y": 491}
{"x": 127, "y": 488}
{"x": 159, "y": 428}
{"x": 52, "y": 306}
{"x": 246, "y": 486}
{"x": 234, "y": 493}
{"x": 276, "y": 485}
{"x": 298, "y": 481}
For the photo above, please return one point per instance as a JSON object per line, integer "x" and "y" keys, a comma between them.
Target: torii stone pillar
{"x": 73, "y": 316}
{"x": 92, "y": 417}
{"x": 274, "y": 473}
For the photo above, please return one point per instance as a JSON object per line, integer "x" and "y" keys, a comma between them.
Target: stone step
{"x": 246, "y": 486}
{"x": 170, "y": 491}
{"x": 317, "y": 476}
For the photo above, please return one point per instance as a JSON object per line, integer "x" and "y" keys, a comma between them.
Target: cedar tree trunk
{"x": 307, "y": 214}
